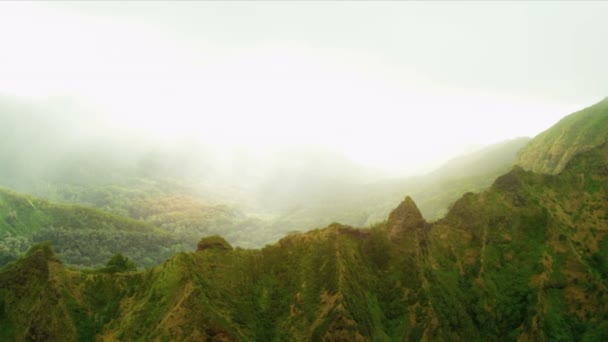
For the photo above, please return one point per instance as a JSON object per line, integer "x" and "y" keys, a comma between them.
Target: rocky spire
{"x": 405, "y": 218}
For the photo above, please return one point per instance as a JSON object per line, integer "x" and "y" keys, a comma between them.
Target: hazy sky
{"x": 392, "y": 84}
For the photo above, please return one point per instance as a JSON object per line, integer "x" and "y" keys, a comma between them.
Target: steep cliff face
{"x": 525, "y": 260}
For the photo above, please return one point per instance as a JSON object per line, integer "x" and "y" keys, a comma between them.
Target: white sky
{"x": 396, "y": 85}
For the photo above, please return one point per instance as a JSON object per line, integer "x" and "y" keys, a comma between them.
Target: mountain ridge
{"x": 525, "y": 259}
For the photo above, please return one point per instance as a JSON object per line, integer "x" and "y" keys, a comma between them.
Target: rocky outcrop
{"x": 405, "y": 218}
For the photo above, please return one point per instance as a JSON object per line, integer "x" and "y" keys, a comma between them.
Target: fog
{"x": 268, "y": 105}
{"x": 400, "y": 87}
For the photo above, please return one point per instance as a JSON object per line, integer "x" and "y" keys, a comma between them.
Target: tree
{"x": 213, "y": 242}
{"x": 120, "y": 263}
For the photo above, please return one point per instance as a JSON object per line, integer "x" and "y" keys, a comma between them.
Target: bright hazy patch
{"x": 399, "y": 86}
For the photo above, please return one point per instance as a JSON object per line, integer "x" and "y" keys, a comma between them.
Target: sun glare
{"x": 255, "y": 96}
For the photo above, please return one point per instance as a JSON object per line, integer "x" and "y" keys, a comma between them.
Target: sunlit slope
{"x": 525, "y": 260}
{"x": 550, "y": 151}
{"x": 81, "y": 236}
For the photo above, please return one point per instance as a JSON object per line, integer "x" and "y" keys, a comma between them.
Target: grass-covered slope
{"x": 550, "y": 151}
{"x": 81, "y": 236}
{"x": 525, "y": 260}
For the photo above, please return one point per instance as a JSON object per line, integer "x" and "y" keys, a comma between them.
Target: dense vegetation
{"x": 81, "y": 236}
{"x": 524, "y": 260}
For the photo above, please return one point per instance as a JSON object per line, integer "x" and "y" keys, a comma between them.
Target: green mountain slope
{"x": 525, "y": 260}
{"x": 550, "y": 151}
{"x": 81, "y": 236}
{"x": 434, "y": 192}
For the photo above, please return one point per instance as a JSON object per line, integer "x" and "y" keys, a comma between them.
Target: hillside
{"x": 523, "y": 260}
{"x": 183, "y": 216}
{"x": 81, "y": 236}
{"x": 434, "y": 192}
{"x": 550, "y": 151}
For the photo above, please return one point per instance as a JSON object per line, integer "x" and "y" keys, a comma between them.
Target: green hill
{"x": 524, "y": 260}
{"x": 81, "y": 236}
{"x": 550, "y": 151}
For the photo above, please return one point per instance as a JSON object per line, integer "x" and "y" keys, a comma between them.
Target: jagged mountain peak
{"x": 406, "y": 217}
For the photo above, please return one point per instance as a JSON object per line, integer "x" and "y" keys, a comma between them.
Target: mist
{"x": 283, "y": 109}
{"x": 238, "y": 82}
{"x": 303, "y": 170}
{"x": 67, "y": 151}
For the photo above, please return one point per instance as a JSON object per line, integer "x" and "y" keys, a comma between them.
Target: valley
{"x": 524, "y": 259}
{"x": 303, "y": 171}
